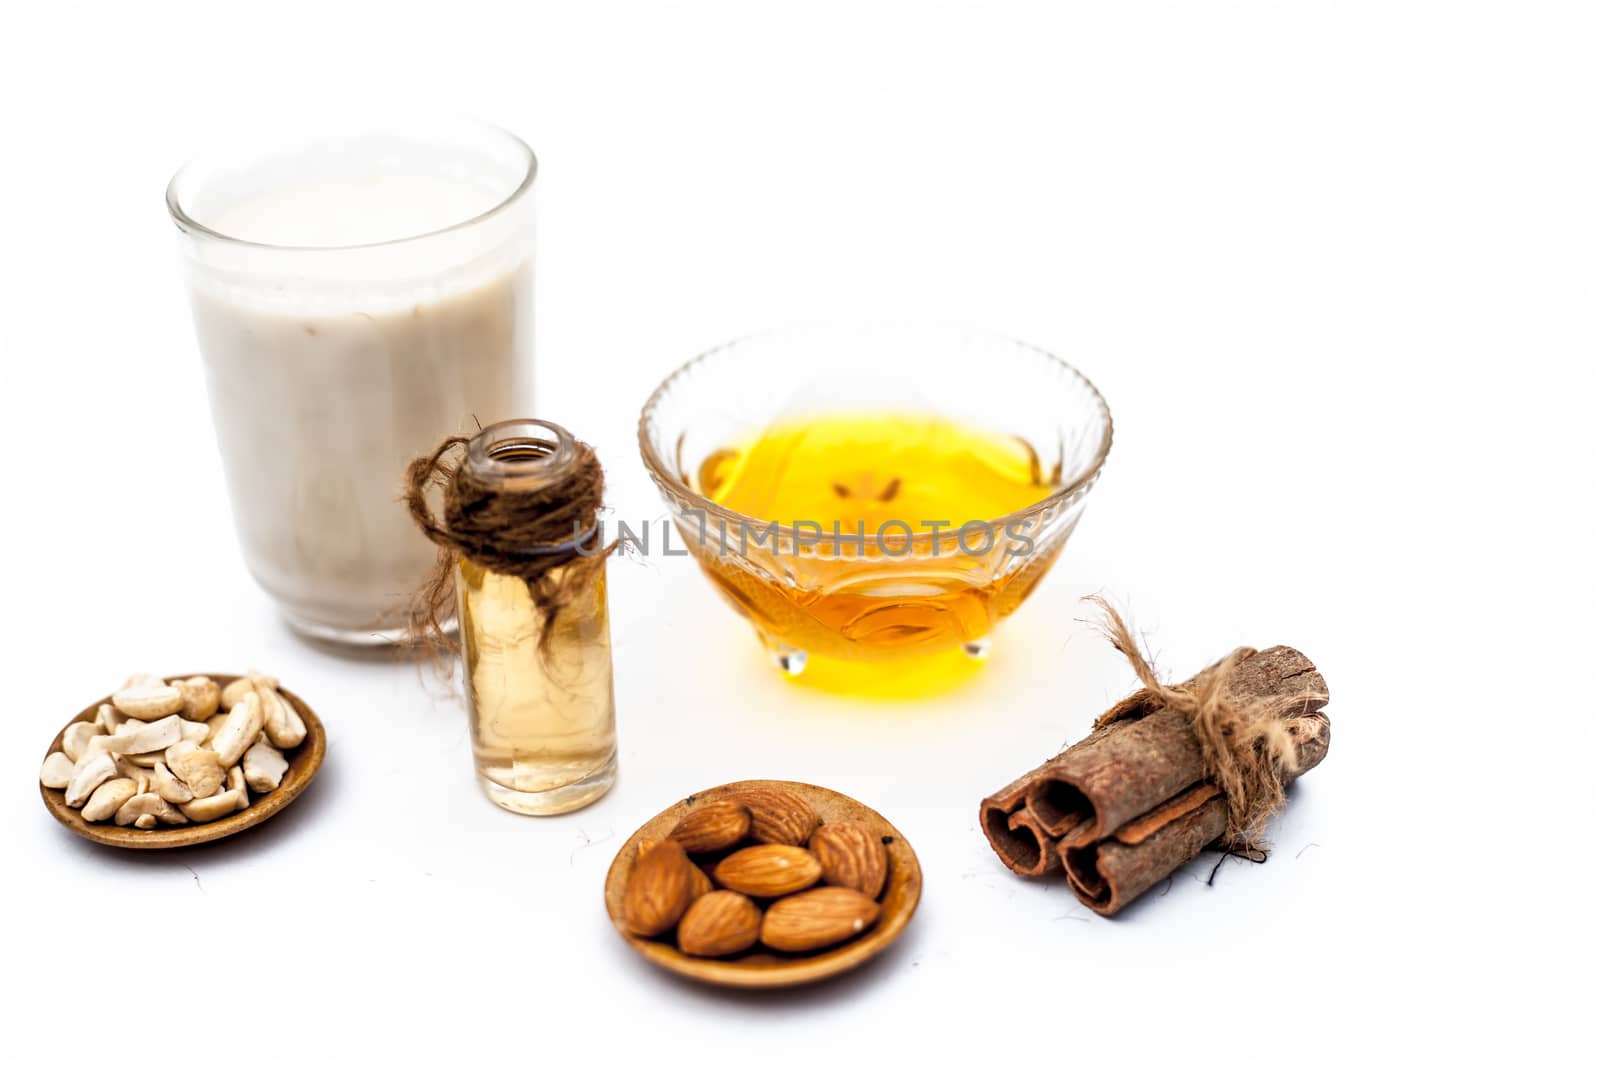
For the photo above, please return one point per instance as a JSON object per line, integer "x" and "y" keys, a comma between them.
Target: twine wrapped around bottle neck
{"x": 544, "y": 531}
{"x": 1249, "y": 748}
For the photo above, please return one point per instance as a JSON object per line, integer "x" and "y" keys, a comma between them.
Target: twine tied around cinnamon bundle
{"x": 547, "y": 536}
{"x": 1249, "y": 748}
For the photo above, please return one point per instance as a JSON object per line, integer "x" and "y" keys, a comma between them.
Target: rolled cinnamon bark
{"x": 1107, "y": 875}
{"x": 1019, "y": 841}
{"x": 1111, "y": 873}
{"x": 1128, "y": 805}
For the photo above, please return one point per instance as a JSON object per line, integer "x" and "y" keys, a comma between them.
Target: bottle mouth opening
{"x": 522, "y": 453}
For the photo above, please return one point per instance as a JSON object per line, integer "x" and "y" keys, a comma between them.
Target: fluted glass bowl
{"x": 897, "y": 594}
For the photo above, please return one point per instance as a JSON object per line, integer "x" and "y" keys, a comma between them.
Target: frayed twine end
{"x": 1249, "y": 748}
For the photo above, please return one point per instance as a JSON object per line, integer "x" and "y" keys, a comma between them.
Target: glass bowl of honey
{"x": 878, "y": 494}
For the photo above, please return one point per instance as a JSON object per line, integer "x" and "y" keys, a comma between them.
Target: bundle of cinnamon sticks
{"x": 1148, "y": 789}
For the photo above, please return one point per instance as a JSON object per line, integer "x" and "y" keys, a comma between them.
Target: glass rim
{"x": 190, "y": 225}
{"x": 555, "y": 456}
{"x": 671, "y": 482}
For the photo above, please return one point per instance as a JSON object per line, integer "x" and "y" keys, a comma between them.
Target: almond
{"x": 715, "y": 825}
{"x": 719, "y": 924}
{"x": 768, "y": 870}
{"x": 778, "y": 817}
{"x": 699, "y": 883}
{"x": 852, "y": 856}
{"x": 659, "y": 889}
{"x": 817, "y": 918}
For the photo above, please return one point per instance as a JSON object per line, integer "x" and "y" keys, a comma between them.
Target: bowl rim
{"x": 661, "y": 472}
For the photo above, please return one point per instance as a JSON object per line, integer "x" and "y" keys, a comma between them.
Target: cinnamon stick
{"x": 1129, "y": 804}
{"x": 1107, "y": 875}
{"x": 1022, "y": 844}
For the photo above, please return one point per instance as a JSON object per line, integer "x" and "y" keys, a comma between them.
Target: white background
{"x": 1333, "y": 265}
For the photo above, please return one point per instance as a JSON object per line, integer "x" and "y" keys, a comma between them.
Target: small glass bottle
{"x": 543, "y": 714}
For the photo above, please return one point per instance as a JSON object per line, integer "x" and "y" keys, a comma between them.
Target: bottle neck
{"x": 521, "y": 455}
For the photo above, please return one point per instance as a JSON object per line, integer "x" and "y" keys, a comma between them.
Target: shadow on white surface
{"x": 261, "y": 842}
{"x": 900, "y": 956}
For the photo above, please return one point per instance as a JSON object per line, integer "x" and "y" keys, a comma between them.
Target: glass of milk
{"x": 357, "y": 296}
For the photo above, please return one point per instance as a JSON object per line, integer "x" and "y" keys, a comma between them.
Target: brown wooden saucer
{"x": 761, "y": 968}
{"x": 304, "y": 763}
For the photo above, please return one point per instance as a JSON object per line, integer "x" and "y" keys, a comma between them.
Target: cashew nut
{"x": 211, "y": 808}
{"x": 147, "y": 697}
{"x": 283, "y": 724}
{"x": 108, "y": 797}
{"x": 57, "y": 771}
{"x": 236, "y": 784}
{"x": 200, "y": 697}
{"x": 198, "y": 768}
{"x": 264, "y": 767}
{"x": 170, "y": 787}
{"x": 98, "y": 745}
{"x": 239, "y": 732}
{"x": 148, "y": 805}
{"x": 87, "y": 777}
{"x": 76, "y": 738}
{"x": 236, "y": 689}
{"x": 167, "y": 753}
{"x": 135, "y": 737}
{"x": 109, "y": 718}
{"x": 126, "y": 768}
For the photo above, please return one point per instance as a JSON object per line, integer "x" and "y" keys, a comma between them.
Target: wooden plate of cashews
{"x": 107, "y": 775}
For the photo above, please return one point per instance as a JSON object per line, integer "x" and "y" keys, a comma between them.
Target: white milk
{"x": 331, "y": 367}
{"x": 338, "y": 213}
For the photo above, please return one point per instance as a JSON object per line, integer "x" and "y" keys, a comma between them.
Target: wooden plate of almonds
{"x": 169, "y": 762}
{"x": 763, "y": 884}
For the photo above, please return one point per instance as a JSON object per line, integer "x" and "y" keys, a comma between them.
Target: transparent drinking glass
{"x": 357, "y": 295}
{"x": 899, "y": 593}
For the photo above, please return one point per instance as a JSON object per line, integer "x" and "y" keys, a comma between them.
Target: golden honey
{"x": 903, "y": 484}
